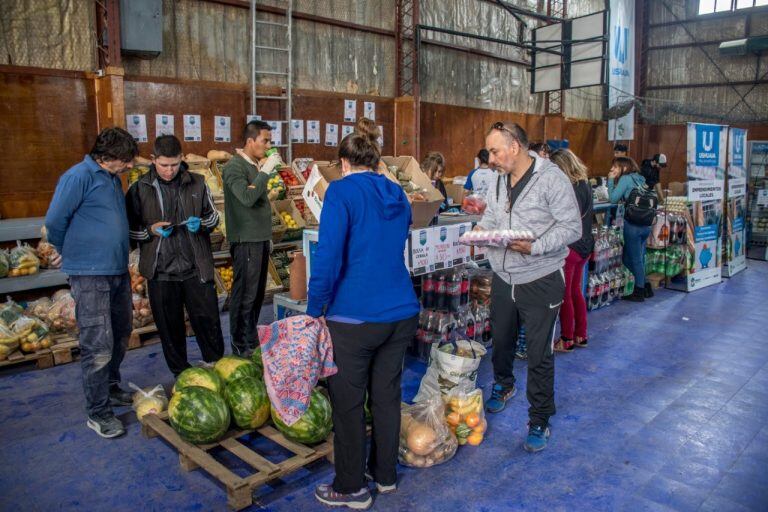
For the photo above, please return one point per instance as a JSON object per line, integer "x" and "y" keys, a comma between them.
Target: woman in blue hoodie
{"x": 624, "y": 177}
{"x": 360, "y": 284}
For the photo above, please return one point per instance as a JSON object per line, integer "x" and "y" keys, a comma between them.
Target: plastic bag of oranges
{"x": 465, "y": 415}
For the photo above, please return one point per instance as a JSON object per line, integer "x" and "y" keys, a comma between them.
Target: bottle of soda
{"x": 441, "y": 302}
{"x": 486, "y": 338}
{"x": 470, "y": 330}
{"x": 420, "y": 332}
{"x": 428, "y": 291}
{"x": 591, "y": 292}
{"x": 464, "y": 287}
{"x": 453, "y": 289}
{"x": 604, "y": 289}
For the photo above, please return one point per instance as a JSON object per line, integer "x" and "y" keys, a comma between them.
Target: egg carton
{"x": 496, "y": 237}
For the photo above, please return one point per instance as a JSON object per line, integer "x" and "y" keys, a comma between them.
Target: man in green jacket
{"x": 249, "y": 231}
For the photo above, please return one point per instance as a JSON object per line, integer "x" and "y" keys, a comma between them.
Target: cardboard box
{"x": 287, "y": 205}
{"x": 423, "y": 212}
{"x": 455, "y": 192}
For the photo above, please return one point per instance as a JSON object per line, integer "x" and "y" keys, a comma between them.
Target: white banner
{"x": 704, "y": 278}
{"x": 621, "y": 67}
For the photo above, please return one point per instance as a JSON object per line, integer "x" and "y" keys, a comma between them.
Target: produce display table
{"x": 20, "y": 229}
{"x": 43, "y": 279}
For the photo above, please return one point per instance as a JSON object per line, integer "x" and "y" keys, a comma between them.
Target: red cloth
{"x": 573, "y": 312}
{"x": 296, "y": 351}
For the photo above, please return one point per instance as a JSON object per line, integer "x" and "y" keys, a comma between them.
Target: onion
{"x": 421, "y": 439}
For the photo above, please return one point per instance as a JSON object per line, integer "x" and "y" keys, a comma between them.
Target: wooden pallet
{"x": 42, "y": 358}
{"x": 147, "y": 335}
{"x": 239, "y": 489}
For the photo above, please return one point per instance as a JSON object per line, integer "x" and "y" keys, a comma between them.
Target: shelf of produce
{"x": 43, "y": 279}
{"x": 20, "y": 229}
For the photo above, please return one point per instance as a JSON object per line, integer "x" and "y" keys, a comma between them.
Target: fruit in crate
{"x": 198, "y": 414}
{"x": 288, "y": 177}
{"x": 276, "y": 183}
{"x": 199, "y": 377}
{"x": 313, "y": 426}
{"x": 227, "y": 275}
{"x": 288, "y": 219}
{"x": 247, "y": 398}
{"x": 231, "y": 368}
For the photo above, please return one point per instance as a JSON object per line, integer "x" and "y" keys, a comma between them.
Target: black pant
{"x": 168, "y": 300}
{"x": 369, "y": 357}
{"x": 104, "y": 315}
{"x": 250, "y": 261}
{"x": 537, "y": 304}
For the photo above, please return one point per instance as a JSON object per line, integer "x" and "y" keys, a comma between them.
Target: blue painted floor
{"x": 666, "y": 410}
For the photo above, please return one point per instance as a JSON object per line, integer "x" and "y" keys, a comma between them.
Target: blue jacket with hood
{"x": 358, "y": 271}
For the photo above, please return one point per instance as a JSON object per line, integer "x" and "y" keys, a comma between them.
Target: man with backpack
{"x": 626, "y": 185}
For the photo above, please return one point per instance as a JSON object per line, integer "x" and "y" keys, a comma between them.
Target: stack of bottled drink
{"x": 446, "y": 311}
{"x": 607, "y": 279}
{"x": 669, "y": 260}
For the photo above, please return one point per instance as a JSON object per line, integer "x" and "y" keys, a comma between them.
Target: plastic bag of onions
{"x": 425, "y": 439}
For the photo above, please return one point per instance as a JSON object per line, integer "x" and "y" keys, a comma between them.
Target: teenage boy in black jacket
{"x": 171, "y": 215}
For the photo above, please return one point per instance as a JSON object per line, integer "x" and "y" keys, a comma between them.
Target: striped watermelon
{"x": 247, "y": 398}
{"x": 314, "y": 425}
{"x": 230, "y": 368}
{"x": 199, "y": 377}
{"x": 198, "y": 414}
{"x": 256, "y": 358}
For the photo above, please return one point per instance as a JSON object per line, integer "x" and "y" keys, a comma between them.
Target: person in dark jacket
{"x": 360, "y": 284}
{"x": 651, "y": 171}
{"x": 171, "y": 215}
{"x": 573, "y": 313}
{"x": 249, "y": 231}
{"x": 87, "y": 225}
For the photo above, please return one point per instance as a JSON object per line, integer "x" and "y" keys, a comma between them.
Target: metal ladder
{"x": 285, "y": 74}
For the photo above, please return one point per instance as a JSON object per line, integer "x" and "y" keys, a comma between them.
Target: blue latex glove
{"x": 193, "y": 224}
{"x": 164, "y": 232}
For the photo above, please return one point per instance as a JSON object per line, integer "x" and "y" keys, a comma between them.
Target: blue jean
{"x": 635, "y": 238}
{"x": 104, "y": 313}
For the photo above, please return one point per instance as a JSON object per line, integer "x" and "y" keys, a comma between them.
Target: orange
{"x": 475, "y": 438}
{"x": 453, "y": 418}
{"x": 480, "y": 429}
{"x": 472, "y": 420}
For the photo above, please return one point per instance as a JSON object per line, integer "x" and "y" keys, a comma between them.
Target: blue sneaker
{"x": 499, "y": 397}
{"x": 537, "y": 439}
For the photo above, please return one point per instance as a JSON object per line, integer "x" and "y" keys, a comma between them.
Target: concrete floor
{"x": 666, "y": 410}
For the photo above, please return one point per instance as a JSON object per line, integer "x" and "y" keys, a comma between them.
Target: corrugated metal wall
{"x": 690, "y": 65}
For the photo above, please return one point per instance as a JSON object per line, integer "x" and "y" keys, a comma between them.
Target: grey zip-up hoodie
{"x": 547, "y": 206}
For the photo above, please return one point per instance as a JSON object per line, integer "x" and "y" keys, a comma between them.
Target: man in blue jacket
{"x": 87, "y": 224}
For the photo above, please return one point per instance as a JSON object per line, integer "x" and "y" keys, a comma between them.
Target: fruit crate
{"x": 287, "y": 206}
{"x": 239, "y": 488}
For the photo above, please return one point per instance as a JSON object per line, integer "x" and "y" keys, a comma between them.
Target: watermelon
{"x": 230, "y": 368}
{"x": 199, "y": 377}
{"x": 247, "y": 398}
{"x": 256, "y": 358}
{"x": 313, "y": 426}
{"x": 198, "y": 414}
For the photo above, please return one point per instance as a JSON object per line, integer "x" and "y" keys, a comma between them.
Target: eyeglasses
{"x": 500, "y": 126}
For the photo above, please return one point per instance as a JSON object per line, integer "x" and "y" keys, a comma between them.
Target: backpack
{"x": 640, "y": 208}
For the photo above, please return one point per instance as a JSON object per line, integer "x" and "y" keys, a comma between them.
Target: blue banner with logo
{"x": 621, "y": 67}
{"x": 708, "y": 145}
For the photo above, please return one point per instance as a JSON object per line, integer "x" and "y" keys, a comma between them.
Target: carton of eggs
{"x": 495, "y": 238}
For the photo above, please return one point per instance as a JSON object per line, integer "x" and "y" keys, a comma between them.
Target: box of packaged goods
{"x": 424, "y": 198}
{"x": 292, "y": 218}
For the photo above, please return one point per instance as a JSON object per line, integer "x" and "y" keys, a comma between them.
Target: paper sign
{"x": 369, "y": 110}
{"x": 252, "y": 117}
{"x": 222, "y": 129}
{"x": 193, "y": 130}
{"x": 762, "y": 197}
{"x": 442, "y": 247}
{"x": 460, "y": 251}
{"x": 313, "y": 132}
{"x": 277, "y": 132}
{"x": 346, "y": 130}
{"x": 381, "y": 136}
{"x": 297, "y": 131}
{"x": 422, "y": 260}
{"x": 705, "y": 190}
{"x": 311, "y": 199}
{"x": 737, "y": 187}
{"x": 163, "y": 124}
{"x": 137, "y": 126}
{"x": 350, "y": 110}
{"x": 331, "y": 135}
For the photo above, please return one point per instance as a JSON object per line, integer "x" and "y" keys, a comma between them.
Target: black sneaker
{"x": 638, "y": 295}
{"x": 118, "y": 397}
{"x": 648, "y": 290}
{"x": 107, "y": 425}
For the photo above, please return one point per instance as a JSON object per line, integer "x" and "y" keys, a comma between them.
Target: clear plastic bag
{"x": 10, "y": 312}
{"x": 33, "y": 334}
{"x": 9, "y": 342}
{"x": 465, "y": 415}
{"x": 474, "y": 204}
{"x": 148, "y": 400}
{"x": 23, "y": 261}
{"x": 5, "y": 265}
{"x": 142, "y": 314}
{"x": 425, "y": 439}
{"x": 138, "y": 283}
{"x": 39, "y": 309}
{"x": 61, "y": 314}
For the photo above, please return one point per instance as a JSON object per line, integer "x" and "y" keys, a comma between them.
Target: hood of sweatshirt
{"x": 387, "y": 197}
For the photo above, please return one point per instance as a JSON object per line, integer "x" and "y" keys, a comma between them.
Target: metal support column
{"x": 407, "y": 50}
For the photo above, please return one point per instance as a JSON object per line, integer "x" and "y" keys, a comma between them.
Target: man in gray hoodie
{"x": 529, "y": 193}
